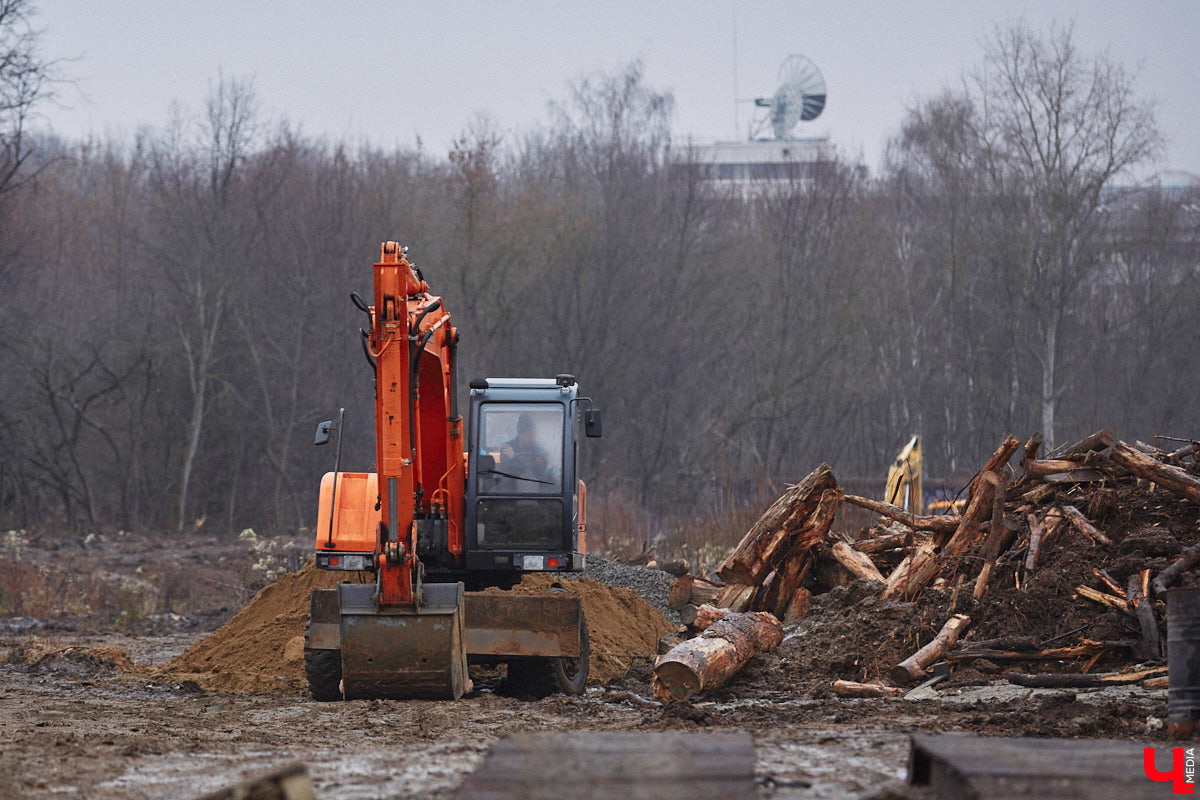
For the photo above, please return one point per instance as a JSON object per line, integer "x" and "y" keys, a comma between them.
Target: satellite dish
{"x": 799, "y": 98}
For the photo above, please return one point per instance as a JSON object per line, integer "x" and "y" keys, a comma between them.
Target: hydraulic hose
{"x": 413, "y": 364}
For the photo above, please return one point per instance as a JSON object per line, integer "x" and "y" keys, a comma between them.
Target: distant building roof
{"x": 758, "y": 160}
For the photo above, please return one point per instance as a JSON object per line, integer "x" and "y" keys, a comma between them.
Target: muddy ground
{"x": 84, "y": 713}
{"x": 75, "y": 725}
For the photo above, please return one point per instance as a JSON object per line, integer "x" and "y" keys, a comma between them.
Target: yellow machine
{"x": 904, "y": 487}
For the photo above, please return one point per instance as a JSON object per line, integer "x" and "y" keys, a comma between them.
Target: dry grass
{"x": 623, "y": 529}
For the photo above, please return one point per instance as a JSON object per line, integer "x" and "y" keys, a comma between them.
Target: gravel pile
{"x": 653, "y": 585}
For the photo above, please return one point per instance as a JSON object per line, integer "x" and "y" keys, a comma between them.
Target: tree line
{"x": 175, "y": 316}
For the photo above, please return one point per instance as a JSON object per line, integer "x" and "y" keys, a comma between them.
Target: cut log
{"x": 1039, "y": 494}
{"x": 801, "y": 554}
{"x": 1109, "y": 581}
{"x": 1086, "y": 647}
{"x": 989, "y": 564}
{"x": 1187, "y": 559}
{"x": 798, "y": 606}
{"x": 1151, "y": 450}
{"x": 1103, "y": 598}
{"x": 702, "y": 617}
{"x": 681, "y": 592}
{"x": 1022, "y": 643}
{"x": 690, "y": 589}
{"x": 1055, "y": 523}
{"x": 787, "y": 582}
{"x": 1053, "y": 680}
{"x": 1032, "y": 445}
{"x": 1149, "y": 648}
{"x": 998, "y": 461}
{"x": 1036, "y": 530}
{"x": 852, "y": 689}
{"x": 783, "y": 525}
{"x": 1084, "y": 525}
{"x": 677, "y": 567}
{"x": 913, "y": 668}
{"x": 999, "y": 531}
{"x": 856, "y": 563}
{"x": 1173, "y": 479}
{"x": 709, "y": 660}
{"x": 1190, "y": 449}
{"x": 934, "y": 523}
{"x": 889, "y": 541}
{"x": 977, "y": 510}
{"x": 1081, "y": 475}
{"x": 907, "y": 575}
{"x": 1162, "y": 682}
{"x": 1046, "y": 467}
{"x": 1100, "y": 440}
{"x": 704, "y": 591}
{"x": 736, "y": 596}
{"x": 766, "y": 594}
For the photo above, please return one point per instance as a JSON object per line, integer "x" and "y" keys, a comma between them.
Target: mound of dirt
{"x": 261, "y": 649}
{"x": 622, "y": 626}
{"x": 72, "y": 662}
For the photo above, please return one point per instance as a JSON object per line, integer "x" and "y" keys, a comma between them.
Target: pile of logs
{"x": 1005, "y": 510}
{"x": 1012, "y": 512}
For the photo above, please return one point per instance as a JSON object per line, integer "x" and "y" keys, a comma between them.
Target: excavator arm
{"x": 412, "y": 343}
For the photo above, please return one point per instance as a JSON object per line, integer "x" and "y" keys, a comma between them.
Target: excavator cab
{"x": 525, "y": 506}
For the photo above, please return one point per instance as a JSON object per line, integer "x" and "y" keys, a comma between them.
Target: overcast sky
{"x": 388, "y": 72}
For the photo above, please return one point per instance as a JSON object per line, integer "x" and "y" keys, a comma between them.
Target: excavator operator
{"x": 524, "y": 456}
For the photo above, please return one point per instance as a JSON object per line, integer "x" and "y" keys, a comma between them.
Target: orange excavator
{"x": 449, "y": 517}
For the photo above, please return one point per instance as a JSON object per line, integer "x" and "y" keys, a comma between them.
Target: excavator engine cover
{"x": 402, "y": 654}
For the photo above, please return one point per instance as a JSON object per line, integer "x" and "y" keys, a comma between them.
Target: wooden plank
{"x": 603, "y": 765}
{"x": 999, "y": 768}
{"x": 290, "y": 782}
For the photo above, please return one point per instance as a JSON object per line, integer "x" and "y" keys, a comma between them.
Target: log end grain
{"x": 674, "y": 681}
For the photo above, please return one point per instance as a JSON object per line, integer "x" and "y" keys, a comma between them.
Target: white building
{"x": 758, "y": 162}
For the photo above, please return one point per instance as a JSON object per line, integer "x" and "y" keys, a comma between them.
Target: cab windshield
{"x": 525, "y": 442}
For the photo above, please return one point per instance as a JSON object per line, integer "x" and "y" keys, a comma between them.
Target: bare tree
{"x": 1057, "y": 128}
{"x": 25, "y": 80}
{"x": 203, "y": 242}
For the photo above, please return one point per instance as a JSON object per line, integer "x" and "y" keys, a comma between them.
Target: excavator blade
{"x": 507, "y": 624}
{"x": 403, "y": 654}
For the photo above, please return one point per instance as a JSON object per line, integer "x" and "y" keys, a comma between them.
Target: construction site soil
{"x": 174, "y": 705}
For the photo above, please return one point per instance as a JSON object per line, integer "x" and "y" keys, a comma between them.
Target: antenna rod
{"x": 737, "y": 125}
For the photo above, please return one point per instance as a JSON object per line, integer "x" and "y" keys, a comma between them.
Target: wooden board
{"x": 595, "y": 765}
{"x": 996, "y": 768}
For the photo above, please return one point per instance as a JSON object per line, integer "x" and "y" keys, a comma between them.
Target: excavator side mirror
{"x": 592, "y": 425}
{"x": 324, "y": 432}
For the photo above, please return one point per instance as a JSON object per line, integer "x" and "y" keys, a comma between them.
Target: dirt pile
{"x": 261, "y": 649}
{"x": 622, "y": 626}
{"x": 77, "y": 662}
